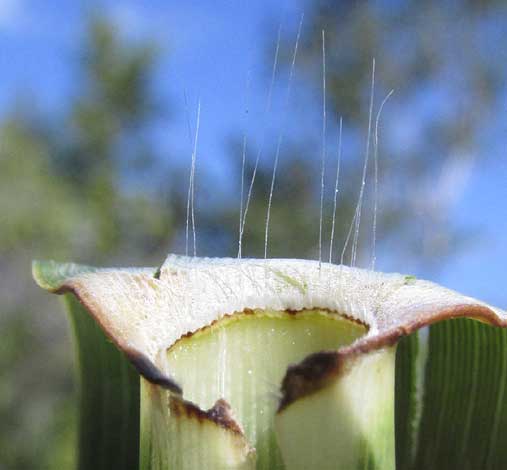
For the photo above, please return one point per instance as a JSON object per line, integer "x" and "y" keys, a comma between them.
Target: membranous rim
{"x": 388, "y": 305}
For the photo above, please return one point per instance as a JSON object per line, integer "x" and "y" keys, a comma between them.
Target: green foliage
{"x": 109, "y": 397}
{"x": 447, "y": 83}
{"x": 62, "y": 193}
{"x": 450, "y": 406}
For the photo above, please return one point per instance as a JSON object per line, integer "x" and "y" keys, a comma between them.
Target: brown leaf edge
{"x": 318, "y": 370}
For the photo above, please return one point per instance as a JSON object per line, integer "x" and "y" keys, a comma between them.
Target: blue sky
{"x": 208, "y": 49}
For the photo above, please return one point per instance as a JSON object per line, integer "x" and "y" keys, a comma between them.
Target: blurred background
{"x": 98, "y": 114}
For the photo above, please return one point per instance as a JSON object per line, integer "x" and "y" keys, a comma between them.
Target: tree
{"x": 437, "y": 58}
{"x": 65, "y": 193}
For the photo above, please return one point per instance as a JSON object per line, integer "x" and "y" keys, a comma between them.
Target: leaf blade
{"x": 108, "y": 397}
{"x": 464, "y": 406}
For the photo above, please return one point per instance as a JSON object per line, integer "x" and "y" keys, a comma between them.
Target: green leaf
{"x": 458, "y": 417}
{"x": 108, "y": 385}
{"x": 108, "y": 397}
{"x": 50, "y": 275}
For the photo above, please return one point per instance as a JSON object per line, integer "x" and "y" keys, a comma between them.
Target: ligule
{"x": 108, "y": 397}
{"x": 281, "y": 364}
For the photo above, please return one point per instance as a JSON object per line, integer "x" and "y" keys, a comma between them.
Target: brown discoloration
{"x": 310, "y": 375}
{"x": 94, "y": 311}
{"x": 151, "y": 372}
{"x": 220, "y": 414}
{"x": 331, "y": 313}
{"x": 476, "y": 312}
{"x": 251, "y": 312}
{"x": 318, "y": 370}
{"x": 306, "y": 377}
{"x": 390, "y": 336}
{"x": 140, "y": 361}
